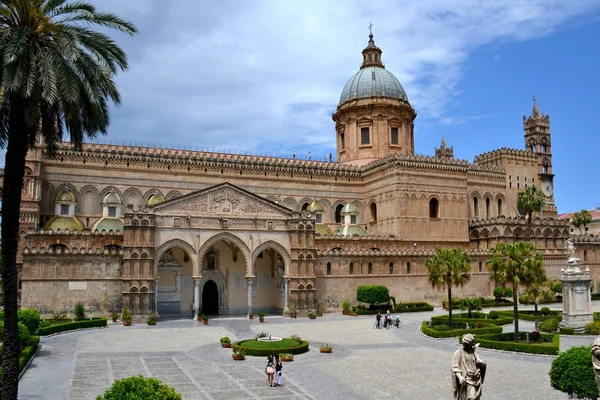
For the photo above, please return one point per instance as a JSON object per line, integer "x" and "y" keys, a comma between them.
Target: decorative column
{"x": 576, "y": 286}
{"x": 286, "y": 285}
{"x": 249, "y": 283}
{"x": 156, "y": 296}
{"x": 196, "y": 297}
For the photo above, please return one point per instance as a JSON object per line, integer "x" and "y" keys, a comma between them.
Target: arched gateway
{"x": 221, "y": 250}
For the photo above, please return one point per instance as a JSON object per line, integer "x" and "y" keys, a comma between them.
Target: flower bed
{"x": 504, "y": 341}
{"x": 253, "y": 347}
{"x": 70, "y": 326}
{"x": 488, "y": 328}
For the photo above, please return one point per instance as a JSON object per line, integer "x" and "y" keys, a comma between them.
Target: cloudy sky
{"x": 265, "y": 76}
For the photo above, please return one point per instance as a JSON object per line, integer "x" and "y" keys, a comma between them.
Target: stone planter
{"x": 226, "y": 345}
{"x": 238, "y": 358}
{"x": 114, "y": 320}
{"x": 312, "y": 317}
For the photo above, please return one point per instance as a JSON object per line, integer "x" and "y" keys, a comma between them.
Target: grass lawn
{"x": 255, "y": 344}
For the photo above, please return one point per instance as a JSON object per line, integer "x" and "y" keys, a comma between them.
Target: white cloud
{"x": 264, "y": 75}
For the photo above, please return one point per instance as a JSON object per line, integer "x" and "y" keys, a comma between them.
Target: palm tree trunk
{"x": 516, "y": 311}
{"x": 450, "y": 305}
{"x": 11, "y": 205}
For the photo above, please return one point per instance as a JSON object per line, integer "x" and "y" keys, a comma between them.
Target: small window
{"x": 408, "y": 267}
{"x": 542, "y": 129}
{"x": 487, "y": 207}
{"x": 328, "y": 268}
{"x": 319, "y": 218}
{"x": 353, "y": 219}
{"x": 510, "y": 185}
{"x": 394, "y": 135}
{"x": 112, "y": 211}
{"x": 434, "y": 208}
{"x": 342, "y": 141}
{"x": 480, "y": 266}
{"x": 370, "y": 268}
{"x": 533, "y": 148}
{"x": 370, "y": 58}
{"x": 585, "y": 255}
{"x": 351, "y": 269}
{"x": 338, "y": 214}
{"x": 391, "y": 268}
{"x": 373, "y": 209}
{"x": 518, "y": 185}
{"x": 364, "y": 136}
{"x": 543, "y": 148}
{"x": 305, "y": 206}
{"x": 499, "y": 207}
{"x": 476, "y": 207}
{"x": 545, "y": 169}
{"x": 64, "y": 209}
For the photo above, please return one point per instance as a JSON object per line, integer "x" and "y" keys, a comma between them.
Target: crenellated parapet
{"x": 498, "y": 157}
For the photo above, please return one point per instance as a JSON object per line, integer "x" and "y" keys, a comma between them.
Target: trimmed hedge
{"x": 503, "y": 341}
{"x": 488, "y": 329}
{"x": 138, "y": 388}
{"x": 70, "y": 326}
{"x": 302, "y": 347}
{"x": 527, "y": 315}
{"x": 461, "y": 318}
{"x": 399, "y": 308}
{"x": 566, "y": 331}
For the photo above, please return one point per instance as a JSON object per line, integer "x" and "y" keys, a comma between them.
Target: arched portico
{"x": 229, "y": 238}
{"x": 223, "y": 289}
{"x": 174, "y": 262}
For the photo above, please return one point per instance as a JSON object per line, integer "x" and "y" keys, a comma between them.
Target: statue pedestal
{"x": 577, "y": 297}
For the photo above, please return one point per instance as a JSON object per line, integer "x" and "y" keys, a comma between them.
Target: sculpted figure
{"x": 570, "y": 249}
{"x": 468, "y": 371}
{"x": 596, "y": 360}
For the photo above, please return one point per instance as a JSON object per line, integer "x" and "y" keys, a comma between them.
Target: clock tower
{"x": 537, "y": 140}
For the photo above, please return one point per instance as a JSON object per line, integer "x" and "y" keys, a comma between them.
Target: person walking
{"x": 270, "y": 370}
{"x": 278, "y": 370}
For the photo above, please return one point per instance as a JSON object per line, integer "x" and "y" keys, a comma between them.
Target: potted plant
{"x": 326, "y": 348}
{"x": 261, "y": 316}
{"x": 152, "y": 320}
{"x": 345, "y": 307}
{"x": 238, "y": 354}
{"x": 199, "y": 316}
{"x": 312, "y": 315}
{"x": 292, "y": 308}
{"x": 127, "y": 317}
{"x": 319, "y": 312}
{"x": 205, "y": 320}
{"x": 225, "y": 342}
{"x": 250, "y": 315}
{"x": 286, "y": 357}
{"x": 114, "y": 316}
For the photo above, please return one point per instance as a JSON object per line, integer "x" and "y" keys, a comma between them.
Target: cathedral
{"x": 176, "y": 231}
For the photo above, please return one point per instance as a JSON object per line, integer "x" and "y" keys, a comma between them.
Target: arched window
{"x": 532, "y": 147}
{"x": 475, "y": 207}
{"x": 338, "y": 213}
{"x": 585, "y": 255}
{"x": 342, "y": 141}
{"x": 499, "y": 207}
{"x": 370, "y": 268}
{"x": 305, "y": 206}
{"x": 319, "y": 218}
{"x": 408, "y": 267}
{"x": 544, "y": 168}
{"x": 391, "y": 268}
{"x": 351, "y": 269}
{"x": 543, "y": 147}
{"x": 487, "y": 207}
{"x": 328, "y": 268}
{"x": 373, "y": 212}
{"x": 434, "y": 208}
{"x": 480, "y": 266}
{"x": 370, "y": 58}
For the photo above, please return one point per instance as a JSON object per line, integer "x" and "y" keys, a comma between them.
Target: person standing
{"x": 468, "y": 371}
{"x": 278, "y": 370}
{"x": 309, "y": 156}
{"x": 270, "y": 370}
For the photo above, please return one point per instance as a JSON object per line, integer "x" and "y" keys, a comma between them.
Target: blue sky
{"x": 264, "y": 76}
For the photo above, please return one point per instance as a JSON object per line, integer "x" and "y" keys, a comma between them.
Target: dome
{"x": 63, "y": 223}
{"x": 349, "y": 209}
{"x": 373, "y": 82}
{"x": 315, "y": 208}
{"x": 65, "y": 196}
{"x": 111, "y": 198}
{"x": 155, "y": 199}
{"x": 323, "y": 230}
{"x": 107, "y": 224}
{"x": 351, "y": 230}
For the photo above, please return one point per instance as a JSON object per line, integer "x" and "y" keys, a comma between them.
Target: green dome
{"x": 349, "y": 209}
{"x": 107, "y": 224}
{"x": 155, "y": 199}
{"x": 351, "y": 230}
{"x": 65, "y": 196}
{"x": 323, "y": 230}
{"x": 63, "y": 223}
{"x": 315, "y": 208}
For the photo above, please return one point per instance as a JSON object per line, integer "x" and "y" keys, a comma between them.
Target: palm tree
{"x": 516, "y": 264}
{"x": 581, "y": 218}
{"x": 447, "y": 268}
{"x": 537, "y": 292}
{"x": 530, "y": 200}
{"x": 56, "y": 74}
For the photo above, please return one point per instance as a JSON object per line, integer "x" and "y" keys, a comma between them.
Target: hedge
{"x": 485, "y": 303}
{"x": 479, "y": 317}
{"x": 70, "y": 326}
{"x": 488, "y": 329}
{"x": 302, "y": 347}
{"x": 566, "y": 331}
{"x": 139, "y": 387}
{"x": 399, "y": 308}
{"x": 26, "y": 353}
{"x": 527, "y": 315}
{"x": 373, "y": 294}
{"x": 595, "y": 296}
{"x": 503, "y": 341}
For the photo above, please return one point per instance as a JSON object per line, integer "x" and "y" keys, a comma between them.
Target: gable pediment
{"x": 223, "y": 200}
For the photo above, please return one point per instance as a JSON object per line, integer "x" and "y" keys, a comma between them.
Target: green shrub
{"x": 535, "y": 336}
{"x": 549, "y": 325}
{"x": 459, "y": 329}
{"x": 140, "y": 388}
{"x": 572, "y": 372}
{"x": 504, "y": 341}
{"x": 225, "y": 339}
{"x": 58, "y": 317}
{"x": 298, "y": 347}
{"x": 493, "y": 314}
{"x": 593, "y": 328}
{"x": 88, "y": 323}
{"x": 462, "y": 318}
{"x": 23, "y": 334}
{"x": 45, "y": 323}
{"x": 127, "y": 317}
{"x": 441, "y": 328}
{"x": 529, "y": 315}
{"x": 373, "y": 294}
{"x": 567, "y": 331}
{"x": 346, "y": 305}
{"x": 545, "y": 311}
{"x": 79, "y": 312}
{"x": 30, "y": 318}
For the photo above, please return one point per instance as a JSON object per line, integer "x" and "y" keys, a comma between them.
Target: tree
{"x": 470, "y": 304}
{"x": 447, "y": 268}
{"x": 572, "y": 372}
{"x": 516, "y": 264}
{"x": 56, "y": 74}
{"x": 373, "y": 294}
{"x": 538, "y": 292}
{"x": 581, "y": 218}
{"x": 530, "y": 200}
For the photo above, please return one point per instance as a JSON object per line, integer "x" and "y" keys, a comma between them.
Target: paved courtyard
{"x": 366, "y": 363}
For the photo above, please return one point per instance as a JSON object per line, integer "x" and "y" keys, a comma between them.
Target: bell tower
{"x": 537, "y": 140}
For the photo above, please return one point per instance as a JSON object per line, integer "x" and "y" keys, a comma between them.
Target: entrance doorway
{"x": 210, "y": 298}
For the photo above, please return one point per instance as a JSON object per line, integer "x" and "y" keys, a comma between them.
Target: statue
{"x": 570, "y": 249}
{"x": 468, "y": 371}
{"x": 596, "y": 360}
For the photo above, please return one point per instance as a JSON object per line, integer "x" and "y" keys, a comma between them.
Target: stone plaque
{"x": 186, "y": 281}
{"x": 266, "y": 280}
{"x": 237, "y": 281}
{"x": 78, "y": 285}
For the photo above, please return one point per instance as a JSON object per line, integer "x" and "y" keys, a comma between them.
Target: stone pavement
{"x": 365, "y": 363}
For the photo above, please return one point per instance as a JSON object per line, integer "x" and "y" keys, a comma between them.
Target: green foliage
{"x": 58, "y": 317}
{"x": 346, "y": 305}
{"x": 261, "y": 315}
{"x": 30, "y": 318}
{"x": 463, "y": 318}
{"x": 373, "y": 294}
{"x": 530, "y": 200}
{"x": 79, "y": 312}
{"x": 470, "y": 304}
{"x": 441, "y": 328}
{"x": 581, "y": 218}
{"x": 458, "y": 330}
{"x": 225, "y": 339}
{"x": 501, "y": 292}
{"x": 45, "y": 323}
{"x": 593, "y": 328}
{"x": 239, "y": 352}
{"x": 393, "y": 301}
{"x": 535, "y": 336}
{"x": 152, "y": 320}
{"x": 255, "y": 348}
{"x": 312, "y": 315}
{"x": 140, "y": 388}
{"x": 549, "y": 325}
{"x": 26, "y": 353}
{"x": 530, "y": 315}
{"x": 493, "y": 314}
{"x": 262, "y": 335}
{"x": 88, "y": 323}
{"x": 504, "y": 341}
{"x": 23, "y": 334}
{"x": 296, "y": 337}
{"x": 545, "y": 311}
{"x": 572, "y": 372}
{"x": 400, "y": 308}
{"x": 557, "y": 288}
{"x": 127, "y": 316}
{"x": 566, "y": 331}
{"x": 286, "y": 356}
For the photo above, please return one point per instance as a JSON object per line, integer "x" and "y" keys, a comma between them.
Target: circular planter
{"x": 226, "y": 345}
{"x": 261, "y": 320}
{"x": 238, "y": 358}
{"x": 286, "y": 359}
{"x": 326, "y": 350}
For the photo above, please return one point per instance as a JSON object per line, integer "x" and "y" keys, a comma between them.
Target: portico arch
{"x": 175, "y": 243}
{"x": 226, "y": 236}
{"x": 270, "y": 244}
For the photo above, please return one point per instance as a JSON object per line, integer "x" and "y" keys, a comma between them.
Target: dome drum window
{"x": 394, "y": 136}
{"x": 365, "y": 137}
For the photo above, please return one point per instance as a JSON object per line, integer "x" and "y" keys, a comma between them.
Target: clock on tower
{"x": 547, "y": 188}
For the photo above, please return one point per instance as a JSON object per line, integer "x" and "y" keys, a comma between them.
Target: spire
{"x": 443, "y": 146}
{"x": 536, "y": 111}
{"x": 371, "y": 53}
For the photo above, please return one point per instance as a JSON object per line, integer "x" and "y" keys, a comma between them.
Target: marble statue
{"x": 468, "y": 371}
{"x": 570, "y": 249}
{"x": 596, "y": 360}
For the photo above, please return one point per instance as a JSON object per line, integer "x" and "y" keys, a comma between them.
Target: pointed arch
{"x": 185, "y": 246}
{"x": 109, "y": 189}
{"x": 283, "y": 252}
{"x": 290, "y": 203}
{"x": 89, "y": 203}
{"x": 231, "y": 238}
{"x": 150, "y": 193}
{"x": 133, "y": 196}
{"x": 173, "y": 194}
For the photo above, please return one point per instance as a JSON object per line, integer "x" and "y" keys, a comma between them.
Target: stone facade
{"x": 178, "y": 230}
